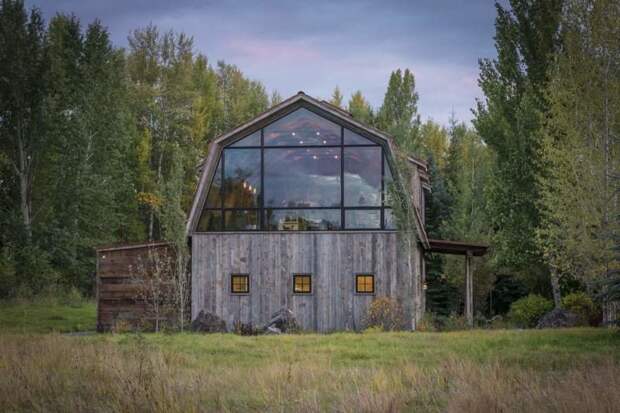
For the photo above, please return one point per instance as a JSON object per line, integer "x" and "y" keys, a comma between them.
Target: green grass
{"x": 539, "y": 349}
{"x": 479, "y": 370}
{"x": 46, "y": 316}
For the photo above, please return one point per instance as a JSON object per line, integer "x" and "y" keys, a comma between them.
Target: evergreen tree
{"x": 360, "y": 108}
{"x": 336, "y": 98}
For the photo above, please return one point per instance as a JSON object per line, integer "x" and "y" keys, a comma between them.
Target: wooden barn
{"x": 291, "y": 211}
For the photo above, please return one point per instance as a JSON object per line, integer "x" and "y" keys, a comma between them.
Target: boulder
{"x": 208, "y": 323}
{"x": 282, "y": 321}
{"x": 558, "y": 318}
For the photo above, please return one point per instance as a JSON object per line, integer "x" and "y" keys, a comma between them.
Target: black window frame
{"x": 232, "y": 283}
{"x": 304, "y": 275}
{"x": 261, "y": 210}
{"x": 374, "y": 284}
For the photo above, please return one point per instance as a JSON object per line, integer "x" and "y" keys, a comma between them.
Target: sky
{"x": 315, "y": 46}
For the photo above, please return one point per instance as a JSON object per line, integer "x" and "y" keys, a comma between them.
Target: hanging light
{"x": 244, "y": 185}
{"x": 315, "y": 157}
{"x": 254, "y": 190}
{"x": 318, "y": 133}
{"x": 293, "y": 133}
{"x": 301, "y": 142}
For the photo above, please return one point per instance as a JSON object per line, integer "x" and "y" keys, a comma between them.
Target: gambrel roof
{"x": 287, "y": 106}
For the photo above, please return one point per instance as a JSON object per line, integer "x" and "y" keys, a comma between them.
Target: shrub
{"x": 427, "y": 323}
{"x": 385, "y": 313}
{"x": 526, "y": 311}
{"x": 582, "y": 305}
{"x": 437, "y": 322}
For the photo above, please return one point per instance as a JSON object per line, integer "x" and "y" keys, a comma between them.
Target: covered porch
{"x": 468, "y": 250}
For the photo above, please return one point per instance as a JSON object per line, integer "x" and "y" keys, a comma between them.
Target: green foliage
{"x": 398, "y": 115}
{"x": 439, "y": 322}
{"x": 579, "y": 189}
{"x": 360, "y": 109}
{"x": 509, "y": 121}
{"x": 582, "y": 305}
{"x": 526, "y": 311}
{"x": 506, "y": 290}
{"x": 336, "y": 98}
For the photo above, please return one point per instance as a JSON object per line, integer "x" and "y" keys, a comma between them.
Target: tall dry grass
{"x": 57, "y": 373}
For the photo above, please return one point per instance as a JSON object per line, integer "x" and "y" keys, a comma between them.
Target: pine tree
{"x": 336, "y": 98}
{"x": 360, "y": 109}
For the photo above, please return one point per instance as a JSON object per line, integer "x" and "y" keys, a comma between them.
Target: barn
{"x": 291, "y": 211}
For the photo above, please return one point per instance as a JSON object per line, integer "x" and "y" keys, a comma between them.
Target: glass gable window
{"x": 362, "y": 176}
{"x": 242, "y": 178}
{"x": 302, "y": 128}
{"x": 301, "y": 172}
{"x": 250, "y": 140}
{"x": 304, "y": 177}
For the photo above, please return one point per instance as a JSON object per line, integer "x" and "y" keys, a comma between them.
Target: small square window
{"x": 240, "y": 283}
{"x": 364, "y": 283}
{"x": 302, "y": 284}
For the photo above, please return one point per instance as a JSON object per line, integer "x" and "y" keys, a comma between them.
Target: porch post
{"x": 469, "y": 291}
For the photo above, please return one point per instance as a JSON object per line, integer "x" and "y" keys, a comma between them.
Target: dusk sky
{"x": 315, "y": 45}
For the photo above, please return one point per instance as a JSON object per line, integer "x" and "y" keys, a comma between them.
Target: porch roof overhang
{"x": 457, "y": 247}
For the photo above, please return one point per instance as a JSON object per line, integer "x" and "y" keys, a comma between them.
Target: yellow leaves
{"x": 148, "y": 198}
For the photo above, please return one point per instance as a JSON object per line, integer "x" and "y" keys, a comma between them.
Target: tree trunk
{"x": 23, "y": 172}
{"x": 555, "y": 288}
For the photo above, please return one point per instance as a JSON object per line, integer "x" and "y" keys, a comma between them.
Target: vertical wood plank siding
{"x": 271, "y": 259}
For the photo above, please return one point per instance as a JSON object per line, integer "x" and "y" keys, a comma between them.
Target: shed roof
{"x": 457, "y": 247}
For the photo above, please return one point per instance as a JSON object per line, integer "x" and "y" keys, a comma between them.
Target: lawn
{"x": 46, "y": 316}
{"x": 501, "y": 370}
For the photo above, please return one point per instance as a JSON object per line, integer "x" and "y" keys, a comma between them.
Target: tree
{"x": 579, "y": 199}
{"x": 23, "y": 75}
{"x": 360, "y": 109}
{"x": 336, "y": 98}
{"x": 509, "y": 120}
{"x": 398, "y": 114}
{"x": 275, "y": 98}
{"x": 434, "y": 143}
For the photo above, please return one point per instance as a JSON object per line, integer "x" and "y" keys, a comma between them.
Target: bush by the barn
{"x": 386, "y": 314}
{"x": 582, "y": 305}
{"x": 526, "y": 311}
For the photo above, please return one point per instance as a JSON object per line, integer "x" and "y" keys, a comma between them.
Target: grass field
{"x": 529, "y": 370}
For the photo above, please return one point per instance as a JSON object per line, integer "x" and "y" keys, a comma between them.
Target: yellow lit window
{"x": 365, "y": 283}
{"x": 302, "y": 284}
{"x": 240, "y": 283}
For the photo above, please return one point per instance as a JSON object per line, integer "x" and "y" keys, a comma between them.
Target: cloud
{"x": 314, "y": 46}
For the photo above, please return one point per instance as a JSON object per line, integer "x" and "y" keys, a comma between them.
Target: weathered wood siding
{"x": 118, "y": 292}
{"x": 271, "y": 259}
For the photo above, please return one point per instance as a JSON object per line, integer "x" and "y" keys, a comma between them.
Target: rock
{"x": 283, "y": 320}
{"x": 208, "y": 323}
{"x": 558, "y": 318}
